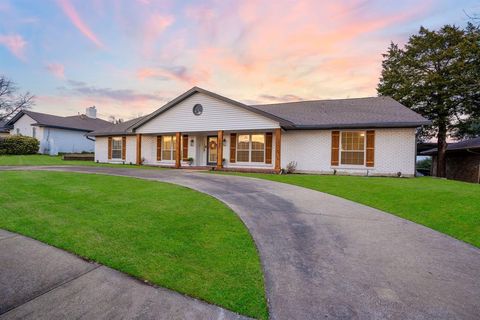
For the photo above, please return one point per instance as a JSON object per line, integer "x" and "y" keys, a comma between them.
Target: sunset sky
{"x": 130, "y": 57}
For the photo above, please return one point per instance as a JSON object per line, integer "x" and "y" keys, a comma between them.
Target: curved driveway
{"x": 329, "y": 258}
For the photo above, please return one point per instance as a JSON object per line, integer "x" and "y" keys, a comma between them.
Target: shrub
{"x": 291, "y": 167}
{"x": 18, "y": 144}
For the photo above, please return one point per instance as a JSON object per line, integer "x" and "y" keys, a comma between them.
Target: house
{"x": 58, "y": 134}
{"x": 462, "y": 160}
{"x": 4, "y": 129}
{"x": 366, "y": 136}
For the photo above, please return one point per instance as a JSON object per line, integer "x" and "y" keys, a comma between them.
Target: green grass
{"x": 169, "y": 235}
{"x": 46, "y": 160}
{"x": 451, "y": 207}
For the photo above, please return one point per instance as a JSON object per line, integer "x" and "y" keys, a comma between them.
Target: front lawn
{"x": 169, "y": 235}
{"x": 46, "y": 160}
{"x": 451, "y": 207}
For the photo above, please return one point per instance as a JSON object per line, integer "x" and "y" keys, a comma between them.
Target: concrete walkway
{"x": 328, "y": 258}
{"x": 38, "y": 281}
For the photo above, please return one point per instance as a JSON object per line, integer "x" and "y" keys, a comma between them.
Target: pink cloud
{"x": 177, "y": 73}
{"x": 154, "y": 26}
{"x": 72, "y": 14}
{"x": 57, "y": 69}
{"x": 15, "y": 44}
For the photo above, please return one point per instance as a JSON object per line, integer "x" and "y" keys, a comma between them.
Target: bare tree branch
{"x": 10, "y": 101}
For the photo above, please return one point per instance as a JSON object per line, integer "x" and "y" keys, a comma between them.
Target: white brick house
{"x": 367, "y": 136}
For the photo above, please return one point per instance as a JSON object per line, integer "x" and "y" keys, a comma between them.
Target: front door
{"x": 212, "y": 150}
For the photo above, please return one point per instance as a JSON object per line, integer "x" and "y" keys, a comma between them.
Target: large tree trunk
{"x": 442, "y": 148}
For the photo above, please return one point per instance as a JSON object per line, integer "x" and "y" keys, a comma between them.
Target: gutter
{"x": 377, "y": 125}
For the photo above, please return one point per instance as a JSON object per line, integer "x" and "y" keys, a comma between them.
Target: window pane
{"x": 354, "y": 141}
{"x": 242, "y": 156}
{"x": 243, "y": 141}
{"x": 258, "y": 142}
{"x": 166, "y": 155}
{"x": 167, "y": 143}
{"x": 353, "y": 157}
{"x": 258, "y": 156}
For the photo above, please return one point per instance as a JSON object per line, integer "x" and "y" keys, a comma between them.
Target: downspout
{"x": 415, "y": 156}
{"x": 478, "y": 178}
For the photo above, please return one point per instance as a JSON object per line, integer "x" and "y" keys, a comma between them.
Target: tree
{"x": 10, "y": 101}
{"x": 437, "y": 74}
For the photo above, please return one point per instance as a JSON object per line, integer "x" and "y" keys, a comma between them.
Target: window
{"x": 18, "y": 130}
{"x": 353, "y": 148}
{"x": 34, "y": 132}
{"x": 251, "y": 148}
{"x": 169, "y": 147}
{"x": 243, "y": 148}
{"x": 117, "y": 148}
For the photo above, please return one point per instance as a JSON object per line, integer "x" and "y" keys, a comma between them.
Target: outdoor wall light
{"x": 192, "y": 142}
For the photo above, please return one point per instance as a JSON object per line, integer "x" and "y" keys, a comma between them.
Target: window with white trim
{"x": 352, "y": 148}
{"x": 169, "y": 147}
{"x": 34, "y": 132}
{"x": 251, "y": 148}
{"x": 117, "y": 147}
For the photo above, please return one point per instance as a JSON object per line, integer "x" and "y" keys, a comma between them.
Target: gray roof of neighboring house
{"x": 4, "y": 127}
{"x": 458, "y": 146}
{"x": 78, "y": 122}
{"x": 374, "y": 112}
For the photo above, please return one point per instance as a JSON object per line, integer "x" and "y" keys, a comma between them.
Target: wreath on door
{"x": 213, "y": 145}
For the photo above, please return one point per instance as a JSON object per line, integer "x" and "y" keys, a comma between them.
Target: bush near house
{"x": 18, "y": 144}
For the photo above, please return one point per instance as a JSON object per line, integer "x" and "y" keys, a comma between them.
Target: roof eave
{"x": 60, "y": 127}
{"x": 378, "y": 125}
{"x": 108, "y": 134}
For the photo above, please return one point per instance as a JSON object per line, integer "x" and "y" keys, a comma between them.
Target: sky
{"x": 130, "y": 57}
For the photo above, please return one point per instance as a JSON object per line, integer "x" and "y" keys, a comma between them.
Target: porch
{"x": 252, "y": 150}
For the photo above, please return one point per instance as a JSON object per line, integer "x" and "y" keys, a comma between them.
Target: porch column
{"x": 220, "y": 149}
{"x": 278, "y": 148}
{"x": 178, "y": 149}
{"x": 139, "y": 150}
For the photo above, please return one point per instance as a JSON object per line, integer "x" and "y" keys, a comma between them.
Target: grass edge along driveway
{"x": 448, "y": 206}
{"x": 46, "y": 160}
{"x": 170, "y": 235}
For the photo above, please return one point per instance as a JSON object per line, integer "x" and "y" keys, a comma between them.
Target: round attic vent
{"x": 197, "y": 109}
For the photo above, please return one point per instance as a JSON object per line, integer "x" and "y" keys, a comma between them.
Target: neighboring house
{"x": 58, "y": 134}
{"x": 367, "y": 136}
{"x": 463, "y": 160}
{"x": 4, "y": 129}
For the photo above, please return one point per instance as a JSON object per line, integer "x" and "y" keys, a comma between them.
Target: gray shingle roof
{"x": 373, "y": 112}
{"x": 79, "y": 122}
{"x": 346, "y": 113}
{"x": 457, "y": 146}
{"x": 119, "y": 128}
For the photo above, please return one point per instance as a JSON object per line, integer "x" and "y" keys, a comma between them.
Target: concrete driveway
{"x": 328, "y": 258}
